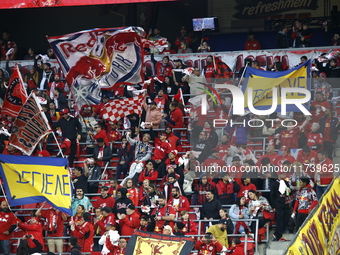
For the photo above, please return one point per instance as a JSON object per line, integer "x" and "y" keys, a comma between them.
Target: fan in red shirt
{"x": 113, "y": 134}
{"x": 84, "y": 231}
{"x": 315, "y": 139}
{"x": 117, "y": 250}
{"x": 163, "y": 68}
{"x": 132, "y": 191}
{"x": 271, "y": 154}
{"x": 201, "y": 189}
{"x": 148, "y": 173}
{"x": 290, "y": 136}
{"x": 99, "y": 133}
{"x": 323, "y": 170}
{"x": 33, "y": 227}
{"x": 178, "y": 202}
{"x": 175, "y": 120}
{"x": 162, "y": 101}
{"x": 237, "y": 247}
{"x": 307, "y": 156}
{"x": 222, "y": 148}
{"x": 172, "y": 139}
{"x": 8, "y": 223}
{"x": 163, "y": 212}
{"x": 128, "y": 221}
{"x": 190, "y": 227}
{"x": 54, "y": 220}
{"x": 252, "y": 43}
{"x": 214, "y": 161}
{"x": 161, "y": 150}
{"x": 285, "y": 155}
{"x": 114, "y": 187}
{"x": 108, "y": 218}
{"x": 245, "y": 186}
{"x": 316, "y": 107}
{"x": 208, "y": 245}
{"x": 104, "y": 199}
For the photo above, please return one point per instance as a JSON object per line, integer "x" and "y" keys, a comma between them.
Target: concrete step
{"x": 278, "y": 248}
{"x": 337, "y": 152}
{"x": 336, "y": 160}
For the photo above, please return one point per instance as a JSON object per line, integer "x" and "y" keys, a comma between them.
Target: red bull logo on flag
{"x": 99, "y": 59}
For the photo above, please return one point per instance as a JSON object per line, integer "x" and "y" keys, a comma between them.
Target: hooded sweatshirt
{"x": 123, "y": 202}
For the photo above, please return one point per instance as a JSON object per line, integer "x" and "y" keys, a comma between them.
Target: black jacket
{"x": 121, "y": 203}
{"x": 281, "y": 41}
{"x": 278, "y": 200}
{"x": 76, "y": 250}
{"x": 107, "y": 153}
{"x": 94, "y": 175}
{"x": 49, "y": 75}
{"x": 211, "y": 209}
{"x": 70, "y": 128}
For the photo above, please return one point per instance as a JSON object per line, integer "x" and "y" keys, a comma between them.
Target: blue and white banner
{"x": 99, "y": 59}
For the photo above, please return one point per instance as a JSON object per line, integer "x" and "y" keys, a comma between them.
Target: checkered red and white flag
{"x": 120, "y": 108}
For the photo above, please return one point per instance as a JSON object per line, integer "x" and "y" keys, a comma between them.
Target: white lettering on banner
{"x": 238, "y": 98}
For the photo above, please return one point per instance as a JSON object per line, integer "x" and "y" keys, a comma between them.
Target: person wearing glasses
{"x": 99, "y": 132}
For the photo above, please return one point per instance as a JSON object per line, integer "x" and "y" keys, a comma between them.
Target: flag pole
{"x": 239, "y": 84}
{"x": 3, "y": 191}
{"x": 55, "y": 138}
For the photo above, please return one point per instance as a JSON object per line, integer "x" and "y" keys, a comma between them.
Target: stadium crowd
{"x": 157, "y": 172}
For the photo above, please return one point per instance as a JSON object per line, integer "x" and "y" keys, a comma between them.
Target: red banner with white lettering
{"x": 15, "y": 95}
{"x": 10, "y": 4}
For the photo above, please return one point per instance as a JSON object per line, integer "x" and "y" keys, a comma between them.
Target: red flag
{"x": 30, "y": 126}
{"x": 15, "y": 95}
{"x": 119, "y": 108}
{"x": 179, "y": 96}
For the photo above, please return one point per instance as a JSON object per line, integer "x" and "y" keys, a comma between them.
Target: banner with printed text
{"x": 36, "y": 179}
{"x": 258, "y": 88}
{"x": 99, "y": 59}
{"x": 321, "y": 233}
{"x": 147, "y": 243}
{"x": 90, "y": 90}
{"x": 29, "y": 127}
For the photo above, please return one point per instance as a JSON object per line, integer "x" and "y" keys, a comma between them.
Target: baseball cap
{"x": 236, "y": 158}
{"x": 131, "y": 206}
{"x": 100, "y": 140}
{"x": 223, "y": 221}
{"x": 65, "y": 111}
{"x": 105, "y": 96}
{"x": 284, "y": 148}
{"x": 178, "y": 60}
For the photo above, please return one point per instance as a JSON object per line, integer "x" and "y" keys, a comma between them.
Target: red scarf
{"x": 207, "y": 131}
{"x": 240, "y": 223}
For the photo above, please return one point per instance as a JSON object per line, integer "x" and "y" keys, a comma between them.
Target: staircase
{"x": 279, "y": 248}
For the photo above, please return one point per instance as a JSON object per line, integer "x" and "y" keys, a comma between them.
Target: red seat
{"x": 197, "y": 63}
{"x": 203, "y": 63}
{"x": 270, "y": 61}
{"x": 189, "y": 63}
{"x": 285, "y": 62}
{"x": 251, "y": 57}
{"x": 239, "y": 63}
{"x": 262, "y": 60}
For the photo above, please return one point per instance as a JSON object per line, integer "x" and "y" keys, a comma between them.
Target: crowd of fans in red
{"x": 159, "y": 166}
